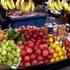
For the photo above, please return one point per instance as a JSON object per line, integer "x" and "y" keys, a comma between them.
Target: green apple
{"x": 4, "y": 58}
{"x": 4, "y": 52}
{"x": 16, "y": 60}
{"x": 4, "y": 47}
{"x": 9, "y": 49}
{"x": 0, "y": 50}
{"x": 9, "y": 62}
{"x": 10, "y": 56}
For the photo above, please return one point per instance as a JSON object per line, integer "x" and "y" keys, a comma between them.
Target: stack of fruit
{"x": 66, "y": 44}
{"x": 35, "y": 49}
{"x": 24, "y": 6}
{"x": 9, "y": 53}
{"x": 7, "y": 4}
{"x": 59, "y": 52}
{"x": 58, "y": 5}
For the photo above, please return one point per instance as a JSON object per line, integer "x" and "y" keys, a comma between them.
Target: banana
{"x": 3, "y": 4}
{"x": 12, "y": 3}
{"x": 28, "y": 7}
{"x": 18, "y": 4}
{"x": 49, "y": 3}
{"x": 60, "y": 5}
{"x": 33, "y": 7}
{"x": 69, "y": 7}
{"x": 56, "y": 5}
{"x": 8, "y": 3}
{"x": 23, "y": 6}
{"x": 65, "y": 5}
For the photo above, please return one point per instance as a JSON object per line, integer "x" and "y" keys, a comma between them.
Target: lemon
{"x": 60, "y": 53}
{"x": 51, "y": 40}
{"x": 55, "y": 55}
{"x": 57, "y": 49}
{"x": 53, "y": 45}
{"x": 62, "y": 58}
{"x": 52, "y": 60}
{"x": 57, "y": 43}
{"x": 57, "y": 59}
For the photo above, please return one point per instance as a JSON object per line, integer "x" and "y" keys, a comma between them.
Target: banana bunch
{"x": 7, "y": 4}
{"x": 55, "y": 5}
{"x": 66, "y": 5}
{"x": 25, "y": 7}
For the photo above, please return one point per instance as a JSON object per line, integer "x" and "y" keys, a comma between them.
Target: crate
{"x": 39, "y": 20}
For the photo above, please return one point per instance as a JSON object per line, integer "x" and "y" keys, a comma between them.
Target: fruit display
{"x": 14, "y": 35}
{"x": 59, "y": 52}
{"x": 57, "y": 5}
{"x": 7, "y": 4}
{"x": 30, "y": 45}
{"x": 9, "y": 53}
{"x": 66, "y": 44}
{"x": 20, "y": 5}
{"x": 35, "y": 49}
{"x": 24, "y": 6}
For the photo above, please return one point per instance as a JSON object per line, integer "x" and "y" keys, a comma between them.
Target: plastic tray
{"x": 37, "y": 20}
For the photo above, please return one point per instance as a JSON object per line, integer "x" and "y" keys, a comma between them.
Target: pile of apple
{"x": 35, "y": 49}
{"x": 66, "y": 44}
{"x": 9, "y": 53}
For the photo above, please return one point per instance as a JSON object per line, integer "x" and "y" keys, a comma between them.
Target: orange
{"x": 62, "y": 58}
{"x": 57, "y": 59}
{"x": 51, "y": 40}
{"x": 52, "y": 60}
{"x": 57, "y": 49}
{"x": 55, "y": 55}
{"x": 60, "y": 53}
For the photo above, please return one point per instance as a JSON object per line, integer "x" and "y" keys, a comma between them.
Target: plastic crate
{"x": 34, "y": 20}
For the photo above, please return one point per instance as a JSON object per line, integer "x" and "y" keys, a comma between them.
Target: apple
{"x": 29, "y": 50}
{"x": 34, "y": 62}
{"x": 46, "y": 61}
{"x": 38, "y": 52}
{"x": 30, "y": 44}
{"x": 40, "y": 58}
{"x": 22, "y": 53}
{"x": 49, "y": 57}
{"x": 27, "y": 64}
{"x": 45, "y": 53}
{"x": 33, "y": 57}
{"x": 26, "y": 58}
{"x": 20, "y": 43}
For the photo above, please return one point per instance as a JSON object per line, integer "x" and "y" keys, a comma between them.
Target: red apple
{"x": 41, "y": 62}
{"x": 29, "y": 50}
{"x": 68, "y": 55}
{"x": 69, "y": 50}
{"x": 51, "y": 51}
{"x": 22, "y": 53}
{"x": 26, "y": 58}
{"x": 33, "y": 57}
{"x": 40, "y": 58}
{"x": 30, "y": 44}
{"x": 38, "y": 52}
{"x": 20, "y": 43}
{"x": 49, "y": 57}
{"x": 27, "y": 64}
{"x": 42, "y": 46}
{"x": 34, "y": 62}
{"x": 45, "y": 53}
{"x": 46, "y": 61}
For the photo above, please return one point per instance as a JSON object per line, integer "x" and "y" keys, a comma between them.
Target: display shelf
{"x": 54, "y": 66}
{"x": 34, "y": 19}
